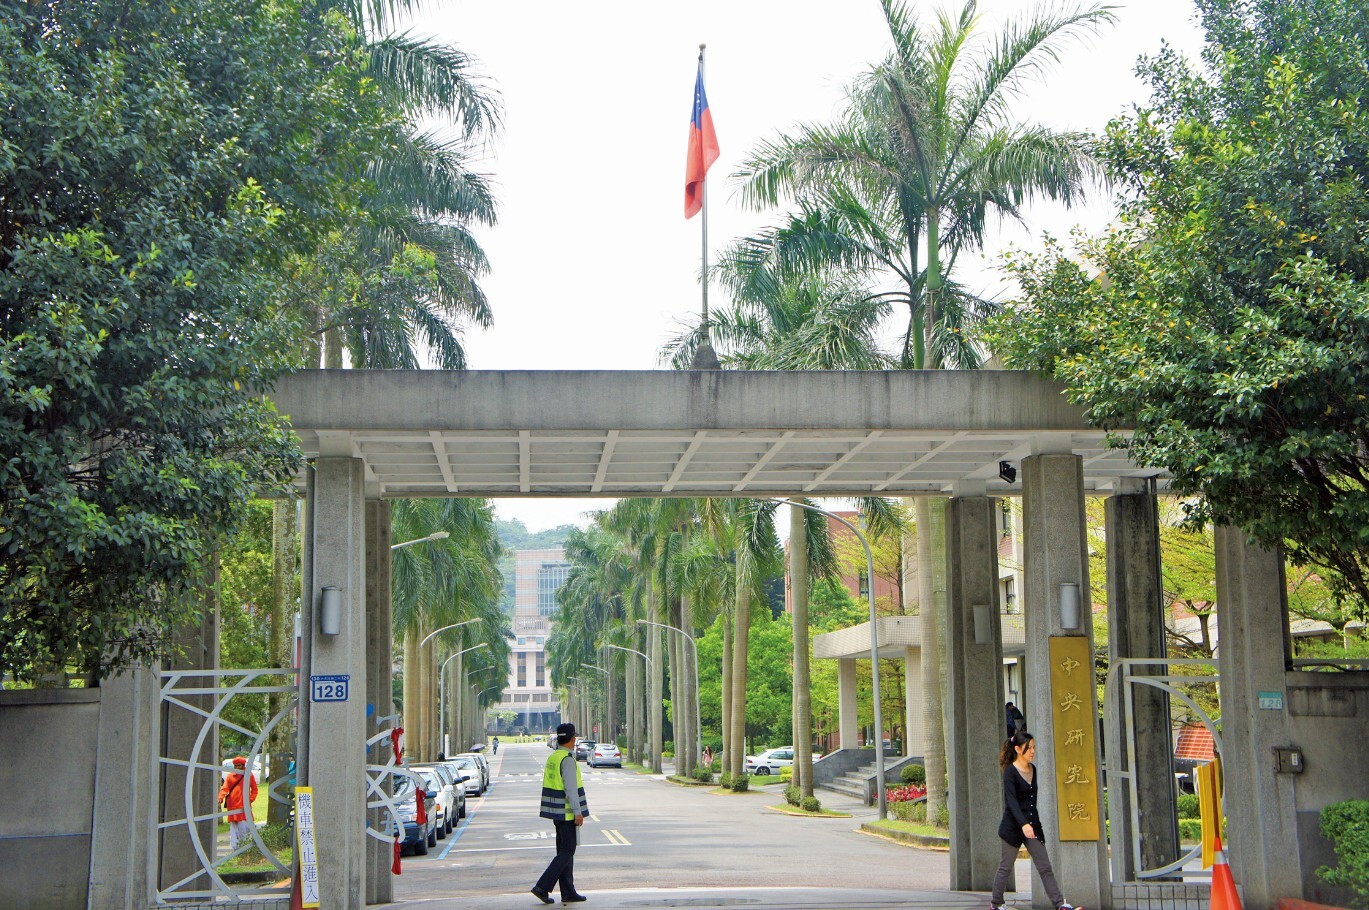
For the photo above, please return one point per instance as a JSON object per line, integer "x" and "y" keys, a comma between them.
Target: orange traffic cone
{"x": 1224, "y": 896}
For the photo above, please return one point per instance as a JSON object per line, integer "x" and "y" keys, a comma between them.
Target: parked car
{"x": 483, "y": 761}
{"x": 461, "y": 777}
{"x": 417, "y": 838}
{"x": 451, "y": 796}
{"x": 605, "y": 754}
{"x": 770, "y": 761}
{"x": 470, "y": 764}
{"x": 583, "y": 747}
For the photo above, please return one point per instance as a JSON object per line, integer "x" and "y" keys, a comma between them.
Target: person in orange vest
{"x": 230, "y": 797}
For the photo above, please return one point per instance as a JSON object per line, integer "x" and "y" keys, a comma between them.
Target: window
{"x": 1009, "y": 592}
{"x": 550, "y": 577}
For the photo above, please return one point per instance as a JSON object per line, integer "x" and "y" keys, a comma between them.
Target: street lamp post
{"x": 428, "y": 637}
{"x": 436, "y": 535}
{"x": 634, "y": 719}
{"x": 442, "y": 693}
{"x": 874, "y": 650}
{"x": 698, "y": 713}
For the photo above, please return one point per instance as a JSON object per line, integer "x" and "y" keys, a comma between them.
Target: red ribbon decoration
{"x": 419, "y": 796}
{"x": 395, "y": 734}
{"x": 394, "y": 869}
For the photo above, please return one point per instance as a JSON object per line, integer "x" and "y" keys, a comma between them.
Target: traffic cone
{"x": 1224, "y": 896}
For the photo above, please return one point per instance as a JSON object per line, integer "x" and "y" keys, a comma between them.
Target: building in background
{"x": 538, "y": 575}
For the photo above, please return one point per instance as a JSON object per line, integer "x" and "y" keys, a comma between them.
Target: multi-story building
{"x": 538, "y": 575}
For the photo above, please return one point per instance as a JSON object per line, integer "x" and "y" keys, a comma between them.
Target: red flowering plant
{"x": 905, "y": 794}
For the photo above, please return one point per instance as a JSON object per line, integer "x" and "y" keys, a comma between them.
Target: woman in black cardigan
{"x": 1021, "y": 823}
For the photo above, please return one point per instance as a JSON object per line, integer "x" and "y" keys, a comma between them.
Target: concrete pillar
{"x": 915, "y": 741}
{"x": 974, "y": 683}
{"x": 848, "y": 713}
{"x": 332, "y": 733}
{"x": 198, "y": 648}
{"x": 1136, "y": 629}
{"x": 379, "y": 694}
{"x": 1054, "y": 537}
{"x": 123, "y": 829}
{"x": 1252, "y": 651}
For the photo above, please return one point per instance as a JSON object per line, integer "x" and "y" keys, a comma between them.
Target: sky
{"x": 593, "y": 265}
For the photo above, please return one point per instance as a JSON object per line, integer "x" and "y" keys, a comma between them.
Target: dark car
{"x": 417, "y": 838}
{"x": 583, "y": 749}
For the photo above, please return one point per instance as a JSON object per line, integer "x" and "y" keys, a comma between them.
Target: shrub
{"x": 1346, "y": 826}
{"x": 725, "y": 780}
{"x": 909, "y": 812}
{"x": 1190, "y": 829}
{"x": 668, "y": 747}
{"x": 703, "y": 775}
{"x": 666, "y": 753}
{"x": 914, "y": 774}
{"x": 943, "y": 817}
{"x": 786, "y": 773}
{"x": 793, "y": 795}
{"x": 1188, "y": 805}
{"x": 277, "y": 837}
{"x": 811, "y": 804}
{"x": 741, "y": 783}
{"x": 717, "y": 763}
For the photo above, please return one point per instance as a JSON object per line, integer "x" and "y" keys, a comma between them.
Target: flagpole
{"x": 705, "y": 358}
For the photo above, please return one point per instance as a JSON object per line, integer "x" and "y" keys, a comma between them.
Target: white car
{"x": 770, "y": 761}
{"x": 605, "y": 754}
{"x": 475, "y": 774}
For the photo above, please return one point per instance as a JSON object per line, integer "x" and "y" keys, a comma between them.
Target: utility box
{"x": 1288, "y": 760}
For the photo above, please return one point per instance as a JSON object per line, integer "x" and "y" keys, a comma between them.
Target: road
{"x": 644, "y": 832}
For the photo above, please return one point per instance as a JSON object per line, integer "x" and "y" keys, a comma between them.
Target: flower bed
{"x": 905, "y": 794}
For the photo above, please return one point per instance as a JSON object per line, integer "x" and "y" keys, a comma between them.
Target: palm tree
{"x": 439, "y": 583}
{"x": 927, "y": 146}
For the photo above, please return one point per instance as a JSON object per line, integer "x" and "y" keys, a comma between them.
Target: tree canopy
{"x": 159, "y": 162}
{"x": 1226, "y": 318}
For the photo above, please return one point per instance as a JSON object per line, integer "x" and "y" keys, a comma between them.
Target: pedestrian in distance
{"x": 563, "y": 801}
{"x": 1021, "y": 824}
{"x": 1015, "y": 719}
{"x": 231, "y": 798}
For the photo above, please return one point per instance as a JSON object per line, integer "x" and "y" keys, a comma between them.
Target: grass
{"x": 894, "y": 824}
{"x": 758, "y": 780}
{"x": 252, "y": 861}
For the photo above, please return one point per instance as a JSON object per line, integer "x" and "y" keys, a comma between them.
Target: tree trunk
{"x": 725, "y": 685}
{"x": 674, "y": 646}
{"x": 690, "y": 689}
{"x": 654, "y": 717}
{"x": 803, "y": 681}
{"x": 932, "y": 600}
{"x": 281, "y": 641}
{"x": 410, "y": 719}
{"x": 740, "y": 639}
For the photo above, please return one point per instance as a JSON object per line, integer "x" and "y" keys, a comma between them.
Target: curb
{"x": 688, "y": 782}
{"x": 785, "y": 810}
{"x": 905, "y": 837}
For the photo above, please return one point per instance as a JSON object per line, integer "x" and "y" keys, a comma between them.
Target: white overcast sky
{"x": 593, "y": 263}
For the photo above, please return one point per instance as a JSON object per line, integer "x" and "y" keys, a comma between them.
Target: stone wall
{"x": 48, "y": 749}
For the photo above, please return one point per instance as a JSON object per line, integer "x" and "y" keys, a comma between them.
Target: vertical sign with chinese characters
{"x": 308, "y": 860}
{"x": 1076, "y": 772}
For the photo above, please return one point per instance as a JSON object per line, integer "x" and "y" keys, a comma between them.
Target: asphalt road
{"x": 644, "y": 832}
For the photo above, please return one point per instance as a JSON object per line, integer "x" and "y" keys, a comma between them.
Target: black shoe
{"x": 541, "y": 895}
{"x": 574, "y": 899}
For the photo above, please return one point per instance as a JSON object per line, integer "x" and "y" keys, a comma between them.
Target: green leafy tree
{"x": 159, "y": 163}
{"x": 1230, "y": 328}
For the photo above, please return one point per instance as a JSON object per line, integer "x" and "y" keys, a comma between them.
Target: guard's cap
{"x": 565, "y": 732}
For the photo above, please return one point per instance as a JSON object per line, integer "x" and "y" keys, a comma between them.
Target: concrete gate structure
{"x": 378, "y": 435}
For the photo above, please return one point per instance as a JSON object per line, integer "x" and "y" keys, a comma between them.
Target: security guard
{"x": 566, "y": 807}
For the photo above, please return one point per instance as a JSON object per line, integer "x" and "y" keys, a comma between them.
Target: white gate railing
{"x": 1119, "y": 697}
{"x": 206, "y": 695}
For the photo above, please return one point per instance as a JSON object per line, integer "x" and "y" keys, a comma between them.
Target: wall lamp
{"x": 1006, "y": 472}
{"x": 330, "y": 611}
{"x": 1069, "y": 605}
{"x": 983, "y": 632}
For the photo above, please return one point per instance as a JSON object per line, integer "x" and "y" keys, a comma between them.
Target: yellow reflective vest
{"x": 554, "y": 788}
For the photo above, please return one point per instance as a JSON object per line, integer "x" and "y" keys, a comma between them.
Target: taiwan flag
{"x": 703, "y": 147}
